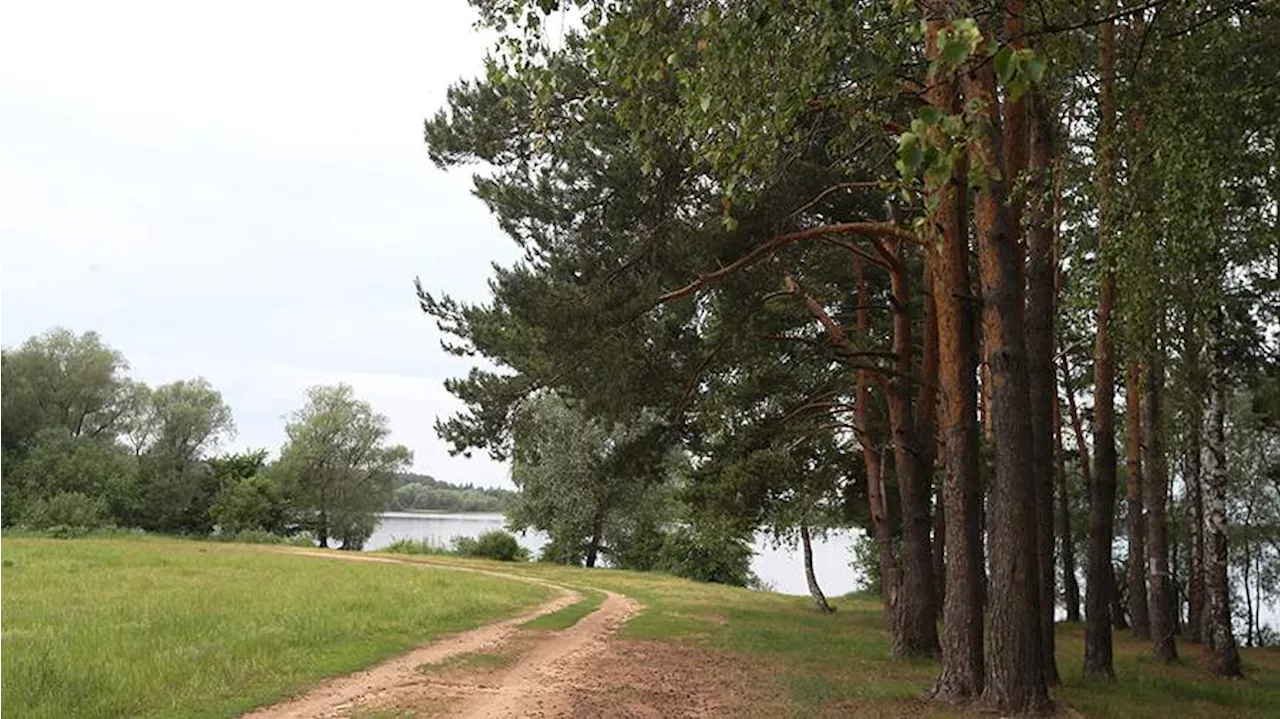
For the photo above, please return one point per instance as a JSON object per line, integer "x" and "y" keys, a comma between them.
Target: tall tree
{"x": 1102, "y": 491}
{"x": 1155, "y": 482}
{"x": 339, "y": 465}
{"x": 962, "y": 637}
{"x": 1217, "y": 619}
{"x": 1136, "y": 571}
{"x": 1014, "y": 673}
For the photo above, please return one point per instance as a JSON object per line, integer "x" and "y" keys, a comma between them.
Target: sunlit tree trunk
{"x": 1137, "y": 570}
{"x": 1102, "y": 492}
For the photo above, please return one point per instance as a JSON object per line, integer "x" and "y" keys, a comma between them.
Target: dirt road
{"x": 545, "y": 671}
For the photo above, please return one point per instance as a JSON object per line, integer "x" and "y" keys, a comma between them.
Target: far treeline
{"x": 952, "y": 272}
{"x": 85, "y": 446}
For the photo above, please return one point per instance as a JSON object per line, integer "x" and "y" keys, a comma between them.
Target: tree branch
{"x": 869, "y": 229}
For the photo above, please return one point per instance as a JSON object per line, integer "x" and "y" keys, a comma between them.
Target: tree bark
{"x": 1155, "y": 482}
{"x": 815, "y": 591}
{"x": 917, "y": 610}
{"x": 1070, "y": 586}
{"x": 1042, "y": 387}
{"x": 962, "y": 637}
{"x": 1193, "y": 499}
{"x": 1217, "y": 618}
{"x": 878, "y": 508}
{"x": 1136, "y": 572}
{"x": 927, "y": 434}
{"x": 322, "y": 531}
{"x": 1014, "y": 675}
{"x": 1102, "y": 491}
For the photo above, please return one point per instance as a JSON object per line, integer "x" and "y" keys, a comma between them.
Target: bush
{"x": 69, "y": 513}
{"x": 415, "y": 546}
{"x": 259, "y": 536}
{"x": 707, "y": 555}
{"x": 494, "y": 544}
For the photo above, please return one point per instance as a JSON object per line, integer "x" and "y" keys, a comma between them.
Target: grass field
{"x": 839, "y": 665}
{"x": 159, "y": 628}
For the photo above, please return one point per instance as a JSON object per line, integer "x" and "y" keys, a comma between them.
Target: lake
{"x": 780, "y": 567}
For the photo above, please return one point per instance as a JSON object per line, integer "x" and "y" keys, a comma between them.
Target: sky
{"x": 240, "y": 191}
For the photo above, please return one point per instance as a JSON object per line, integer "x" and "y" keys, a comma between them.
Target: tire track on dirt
{"x": 539, "y": 682}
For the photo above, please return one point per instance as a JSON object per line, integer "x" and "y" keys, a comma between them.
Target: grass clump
{"x": 495, "y": 544}
{"x": 164, "y": 628}
{"x": 570, "y": 615}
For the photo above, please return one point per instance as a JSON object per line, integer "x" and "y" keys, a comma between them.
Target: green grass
{"x": 472, "y": 660}
{"x": 165, "y": 628}
{"x": 570, "y": 615}
{"x": 839, "y": 664}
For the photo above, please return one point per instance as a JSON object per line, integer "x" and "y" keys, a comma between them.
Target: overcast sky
{"x": 239, "y": 190}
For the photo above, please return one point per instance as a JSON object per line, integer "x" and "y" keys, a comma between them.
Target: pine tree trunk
{"x": 962, "y": 636}
{"x": 1042, "y": 387}
{"x": 815, "y": 591}
{"x": 877, "y": 506}
{"x": 1136, "y": 573}
{"x": 1217, "y": 618}
{"x": 917, "y": 611}
{"x": 1014, "y": 675}
{"x": 940, "y": 550}
{"x": 1070, "y": 586}
{"x": 1156, "y": 490}
{"x": 927, "y": 430}
{"x": 1102, "y": 491}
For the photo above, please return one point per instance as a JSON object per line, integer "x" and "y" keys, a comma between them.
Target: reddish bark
{"x": 962, "y": 637}
{"x": 1014, "y": 674}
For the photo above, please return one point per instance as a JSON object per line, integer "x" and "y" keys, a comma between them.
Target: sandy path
{"x": 539, "y": 682}
{"x": 543, "y": 680}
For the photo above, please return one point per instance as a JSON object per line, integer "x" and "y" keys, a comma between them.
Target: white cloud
{"x": 240, "y": 191}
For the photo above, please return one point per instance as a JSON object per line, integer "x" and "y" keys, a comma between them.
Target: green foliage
{"x": 337, "y": 466}
{"x": 494, "y": 544}
{"x": 72, "y": 511}
{"x": 592, "y": 489}
{"x": 420, "y": 492}
{"x": 416, "y": 546}
{"x": 707, "y": 554}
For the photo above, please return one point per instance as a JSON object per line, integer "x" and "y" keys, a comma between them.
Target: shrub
{"x": 260, "y": 536}
{"x": 707, "y": 555}
{"x": 415, "y": 546}
{"x": 494, "y": 544}
{"x": 69, "y": 513}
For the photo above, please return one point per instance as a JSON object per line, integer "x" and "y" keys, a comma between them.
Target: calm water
{"x": 781, "y": 567}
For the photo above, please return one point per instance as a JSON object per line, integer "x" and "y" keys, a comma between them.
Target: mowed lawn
{"x": 161, "y": 628}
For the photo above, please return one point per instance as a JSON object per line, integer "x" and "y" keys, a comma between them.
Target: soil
{"x": 582, "y": 671}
